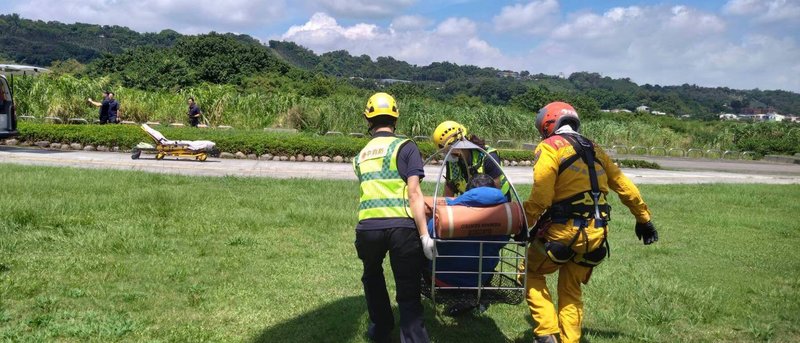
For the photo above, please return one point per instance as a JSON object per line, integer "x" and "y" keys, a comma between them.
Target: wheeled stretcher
{"x": 199, "y": 150}
{"x": 481, "y": 255}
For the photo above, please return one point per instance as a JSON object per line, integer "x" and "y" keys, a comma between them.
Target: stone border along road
{"x": 690, "y": 171}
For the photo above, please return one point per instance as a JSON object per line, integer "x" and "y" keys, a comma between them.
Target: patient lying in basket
{"x": 481, "y": 193}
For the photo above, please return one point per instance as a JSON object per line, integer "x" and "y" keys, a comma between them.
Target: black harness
{"x": 581, "y": 208}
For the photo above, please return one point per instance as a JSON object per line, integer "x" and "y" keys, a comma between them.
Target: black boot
{"x": 378, "y": 337}
{"x": 545, "y": 339}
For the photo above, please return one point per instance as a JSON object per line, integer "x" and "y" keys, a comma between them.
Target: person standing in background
{"x": 113, "y": 109}
{"x": 194, "y": 113}
{"x": 103, "y": 105}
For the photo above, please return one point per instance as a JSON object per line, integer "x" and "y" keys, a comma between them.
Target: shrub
{"x": 625, "y": 163}
{"x": 768, "y": 138}
{"x": 246, "y": 141}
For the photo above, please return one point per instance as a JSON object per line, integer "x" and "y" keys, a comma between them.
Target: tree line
{"x": 171, "y": 61}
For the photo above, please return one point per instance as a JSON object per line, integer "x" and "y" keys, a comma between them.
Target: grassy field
{"x": 89, "y": 255}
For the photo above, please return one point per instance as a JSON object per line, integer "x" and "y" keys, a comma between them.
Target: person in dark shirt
{"x": 391, "y": 219}
{"x": 193, "y": 113}
{"x": 104, "y": 106}
{"x": 113, "y": 109}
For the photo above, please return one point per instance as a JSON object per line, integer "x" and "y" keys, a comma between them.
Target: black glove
{"x": 646, "y": 232}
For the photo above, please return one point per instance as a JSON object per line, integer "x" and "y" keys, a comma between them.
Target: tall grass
{"x": 255, "y": 108}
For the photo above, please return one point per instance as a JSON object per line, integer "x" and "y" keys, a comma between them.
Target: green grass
{"x": 88, "y": 255}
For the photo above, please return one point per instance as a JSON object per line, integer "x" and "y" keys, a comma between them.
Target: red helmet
{"x": 555, "y": 115}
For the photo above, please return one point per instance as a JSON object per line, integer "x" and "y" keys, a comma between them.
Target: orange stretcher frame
{"x": 465, "y": 221}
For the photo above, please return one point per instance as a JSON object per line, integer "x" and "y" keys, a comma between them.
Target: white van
{"x": 8, "y": 116}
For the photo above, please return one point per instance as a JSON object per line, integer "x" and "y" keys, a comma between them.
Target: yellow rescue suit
{"x": 562, "y": 177}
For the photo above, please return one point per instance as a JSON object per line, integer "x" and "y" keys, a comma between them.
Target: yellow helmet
{"x": 381, "y": 104}
{"x": 448, "y": 132}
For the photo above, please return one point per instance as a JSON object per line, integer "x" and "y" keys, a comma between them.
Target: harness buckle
{"x": 596, "y": 199}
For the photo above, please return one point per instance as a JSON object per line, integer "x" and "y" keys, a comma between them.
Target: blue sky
{"x": 742, "y": 44}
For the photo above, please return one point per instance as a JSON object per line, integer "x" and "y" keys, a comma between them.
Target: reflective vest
{"x": 384, "y": 194}
{"x": 458, "y": 177}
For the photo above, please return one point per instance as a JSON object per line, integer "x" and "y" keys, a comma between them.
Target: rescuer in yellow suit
{"x": 571, "y": 178}
{"x": 391, "y": 218}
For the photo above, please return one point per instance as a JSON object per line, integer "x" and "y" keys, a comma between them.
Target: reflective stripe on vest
{"x": 384, "y": 194}
{"x": 458, "y": 178}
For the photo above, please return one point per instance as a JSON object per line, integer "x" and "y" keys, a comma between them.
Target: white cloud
{"x": 188, "y": 16}
{"x": 534, "y": 17}
{"x": 765, "y": 11}
{"x": 410, "y": 22}
{"x": 742, "y": 7}
{"x": 692, "y": 21}
{"x": 454, "y": 40}
{"x": 363, "y": 9}
{"x": 744, "y": 44}
{"x": 592, "y": 26}
{"x": 666, "y": 45}
{"x": 456, "y": 27}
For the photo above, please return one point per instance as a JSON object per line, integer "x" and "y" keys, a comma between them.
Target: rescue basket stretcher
{"x": 493, "y": 236}
{"x": 199, "y": 150}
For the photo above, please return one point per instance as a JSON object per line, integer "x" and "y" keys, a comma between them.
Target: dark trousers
{"x": 406, "y": 257}
{"x": 194, "y": 121}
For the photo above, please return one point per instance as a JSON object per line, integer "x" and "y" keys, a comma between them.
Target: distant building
{"x": 658, "y": 113}
{"x": 508, "y": 73}
{"x": 728, "y": 116}
{"x": 391, "y": 81}
{"x": 753, "y": 117}
{"x": 775, "y": 117}
{"x": 643, "y": 108}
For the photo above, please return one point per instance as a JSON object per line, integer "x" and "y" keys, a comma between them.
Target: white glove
{"x": 428, "y": 246}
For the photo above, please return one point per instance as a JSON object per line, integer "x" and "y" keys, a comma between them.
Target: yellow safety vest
{"x": 458, "y": 177}
{"x": 384, "y": 194}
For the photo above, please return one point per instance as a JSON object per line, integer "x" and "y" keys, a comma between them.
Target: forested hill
{"x": 497, "y": 87}
{"x": 41, "y": 43}
{"x": 341, "y": 63}
{"x": 169, "y": 60}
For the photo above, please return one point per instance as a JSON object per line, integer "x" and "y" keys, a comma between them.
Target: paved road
{"x": 734, "y": 166}
{"x": 703, "y": 172}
